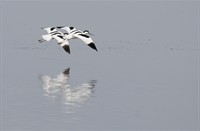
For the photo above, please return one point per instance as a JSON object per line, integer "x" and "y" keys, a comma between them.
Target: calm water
{"x": 144, "y": 77}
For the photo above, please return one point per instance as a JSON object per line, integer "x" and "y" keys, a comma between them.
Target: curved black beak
{"x": 90, "y": 33}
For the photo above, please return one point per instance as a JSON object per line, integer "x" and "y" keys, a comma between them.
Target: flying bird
{"x": 71, "y": 33}
{"x": 57, "y": 35}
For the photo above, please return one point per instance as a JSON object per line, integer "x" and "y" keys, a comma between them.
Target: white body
{"x": 62, "y": 38}
{"x": 74, "y": 34}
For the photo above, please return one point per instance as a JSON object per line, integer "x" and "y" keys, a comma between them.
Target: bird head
{"x": 45, "y": 28}
{"x": 87, "y": 32}
{"x": 49, "y": 29}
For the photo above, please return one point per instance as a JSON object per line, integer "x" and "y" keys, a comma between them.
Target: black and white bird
{"x": 63, "y": 38}
{"x": 57, "y": 35}
{"x": 73, "y": 33}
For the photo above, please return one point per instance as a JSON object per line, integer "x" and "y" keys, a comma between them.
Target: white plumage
{"x": 71, "y": 33}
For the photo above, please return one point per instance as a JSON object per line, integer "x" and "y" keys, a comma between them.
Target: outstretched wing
{"x": 86, "y": 39}
{"x": 65, "y": 46}
{"x": 62, "y": 42}
{"x": 51, "y": 32}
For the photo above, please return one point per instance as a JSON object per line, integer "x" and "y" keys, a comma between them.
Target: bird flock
{"x": 63, "y": 38}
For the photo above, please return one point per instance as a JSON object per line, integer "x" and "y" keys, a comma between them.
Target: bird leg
{"x": 41, "y": 40}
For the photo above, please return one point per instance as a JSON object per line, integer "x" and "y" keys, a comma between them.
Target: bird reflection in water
{"x": 73, "y": 96}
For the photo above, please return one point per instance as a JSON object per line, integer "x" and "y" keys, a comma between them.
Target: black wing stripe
{"x": 86, "y": 36}
{"x": 61, "y": 36}
{"x": 76, "y": 32}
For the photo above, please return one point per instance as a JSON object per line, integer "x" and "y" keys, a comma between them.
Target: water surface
{"x": 144, "y": 77}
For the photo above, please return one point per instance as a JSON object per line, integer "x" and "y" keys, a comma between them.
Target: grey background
{"x": 147, "y": 67}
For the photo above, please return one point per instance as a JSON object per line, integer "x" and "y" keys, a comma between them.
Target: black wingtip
{"x": 92, "y": 45}
{"x": 66, "y": 48}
